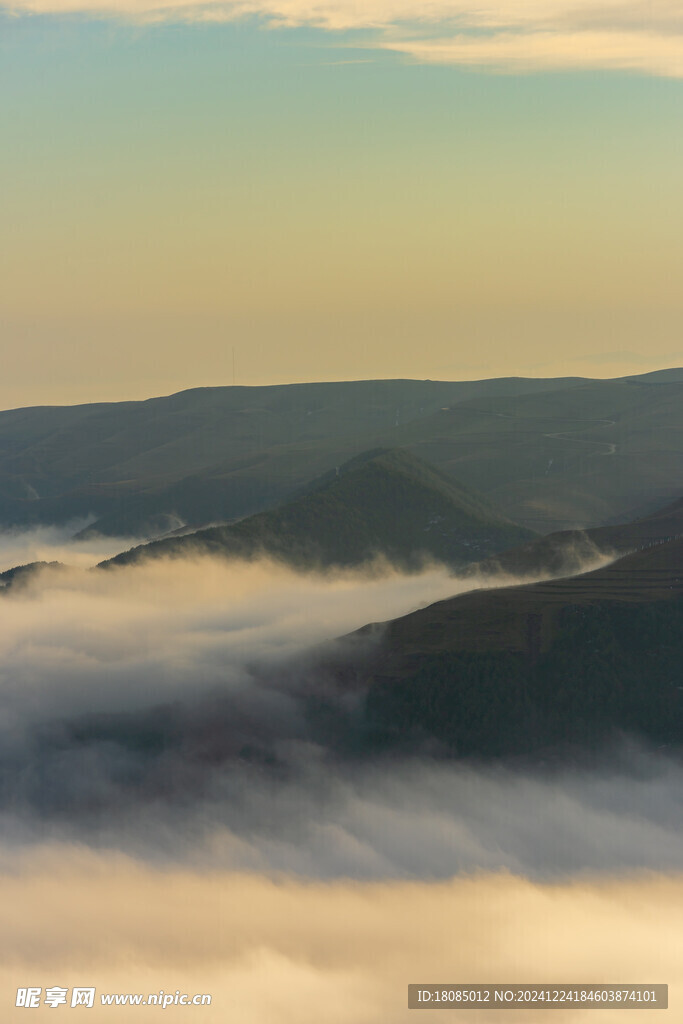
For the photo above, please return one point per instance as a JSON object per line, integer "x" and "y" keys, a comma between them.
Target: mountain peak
{"x": 385, "y": 502}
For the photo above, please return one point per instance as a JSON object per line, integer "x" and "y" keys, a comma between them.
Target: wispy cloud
{"x": 57, "y": 543}
{"x": 504, "y": 35}
{"x": 511, "y": 52}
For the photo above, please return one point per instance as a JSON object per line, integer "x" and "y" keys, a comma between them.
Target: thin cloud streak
{"x": 502, "y": 35}
{"x": 652, "y": 53}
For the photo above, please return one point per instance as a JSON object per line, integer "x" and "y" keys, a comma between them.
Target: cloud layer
{"x": 173, "y": 710}
{"x": 80, "y": 641}
{"x": 502, "y": 35}
{"x": 286, "y": 952}
{"x": 305, "y": 886}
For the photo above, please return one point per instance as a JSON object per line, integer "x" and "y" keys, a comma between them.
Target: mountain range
{"x": 542, "y": 659}
{"x": 552, "y": 454}
{"x": 387, "y": 503}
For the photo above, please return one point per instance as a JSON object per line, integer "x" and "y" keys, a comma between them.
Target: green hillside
{"x": 552, "y": 454}
{"x": 382, "y": 503}
{"x": 571, "y": 458}
{"x": 566, "y": 552}
{"x": 21, "y": 574}
{"x": 540, "y": 668}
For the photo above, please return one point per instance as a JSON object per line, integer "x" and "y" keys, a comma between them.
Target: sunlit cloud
{"x": 57, "y": 544}
{"x": 287, "y": 952}
{"x": 503, "y": 35}
{"x": 650, "y": 52}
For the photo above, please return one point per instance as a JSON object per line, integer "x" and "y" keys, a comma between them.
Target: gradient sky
{"x": 335, "y": 190}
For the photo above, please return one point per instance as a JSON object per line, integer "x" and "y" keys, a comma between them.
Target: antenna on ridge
{"x": 233, "y": 365}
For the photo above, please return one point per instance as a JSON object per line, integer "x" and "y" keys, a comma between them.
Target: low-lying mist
{"x": 164, "y": 709}
{"x": 84, "y": 641}
{"x": 409, "y": 819}
{"x": 173, "y": 817}
{"x": 57, "y": 544}
{"x": 121, "y": 639}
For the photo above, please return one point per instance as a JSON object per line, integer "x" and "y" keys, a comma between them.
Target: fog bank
{"x": 286, "y": 952}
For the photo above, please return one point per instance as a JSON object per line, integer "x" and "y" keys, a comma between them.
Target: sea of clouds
{"x": 143, "y": 848}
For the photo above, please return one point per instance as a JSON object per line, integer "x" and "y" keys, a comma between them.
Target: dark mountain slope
{"x": 565, "y": 553}
{"x": 383, "y": 503}
{"x": 571, "y": 458}
{"x": 22, "y": 574}
{"x": 539, "y": 668}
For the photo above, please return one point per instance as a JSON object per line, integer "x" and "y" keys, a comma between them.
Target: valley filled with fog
{"x": 115, "y": 685}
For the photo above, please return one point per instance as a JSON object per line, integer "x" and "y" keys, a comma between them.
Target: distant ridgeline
{"x": 552, "y": 454}
{"x": 383, "y": 503}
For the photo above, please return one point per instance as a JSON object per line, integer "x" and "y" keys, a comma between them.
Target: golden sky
{"x": 336, "y": 191}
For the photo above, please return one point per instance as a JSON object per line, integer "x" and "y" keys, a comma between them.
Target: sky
{"x": 265, "y": 191}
